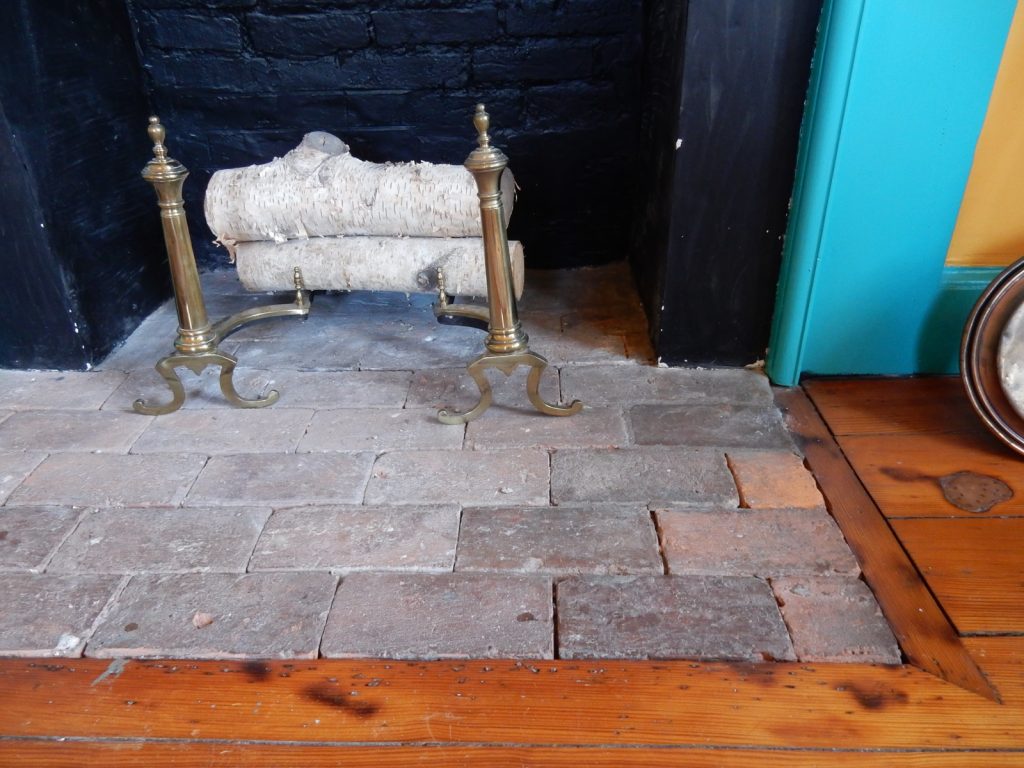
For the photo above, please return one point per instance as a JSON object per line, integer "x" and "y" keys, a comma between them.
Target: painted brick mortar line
{"x": 327, "y": 616}
{"x": 743, "y": 504}
{"x": 49, "y": 558}
{"x": 102, "y": 615}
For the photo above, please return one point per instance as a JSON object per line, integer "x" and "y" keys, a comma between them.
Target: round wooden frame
{"x": 978, "y": 355}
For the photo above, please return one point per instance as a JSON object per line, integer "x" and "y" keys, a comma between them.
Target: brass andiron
{"x": 507, "y": 342}
{"x": 197, "y": 342}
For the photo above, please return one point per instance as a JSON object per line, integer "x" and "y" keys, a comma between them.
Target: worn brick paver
{"x": 418, "y": 343}
{"x": 158, "y": 540}
{"x": 645, "y": 475}
{"x": 111, "y": 480}
{"x": 304, "y": 353}
{"x": 507, "y": 428}
{"x": 379, "y": 430}
{"x": 60, "y": 431}
{"x": 50, "y": 615}
{"x": 766, "y": 543}
{"x": 454, "y": 388}
{"x": 445, "y": 615}
{"x": 14, "y": 468}
{"x": 835, "y": 618}
{"x": 664, "y": 617}
{"x": 57, "y": 390}
{"x": 559, "y": 541}
{"x": 643, "y": 384}
{"x": 217, "y": 616}
{"x": 246, "y": 430}
{"x": 298, "y": 389}
{"x": 359, "y": 538}
{"x": 572, "y": 347}
{"x": 769, "y": 479}
{"x": 469, "y": 477}
{"x": 723, "y": 425}
{"x": 29, "y": 535}
{"x": 231, "y": 527}
{"x": 280, "y": 480}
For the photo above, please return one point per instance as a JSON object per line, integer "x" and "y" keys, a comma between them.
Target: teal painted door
{"x": 897, "y": 101}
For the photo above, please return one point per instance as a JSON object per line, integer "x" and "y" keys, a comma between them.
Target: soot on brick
{"x": 240, "y": 81}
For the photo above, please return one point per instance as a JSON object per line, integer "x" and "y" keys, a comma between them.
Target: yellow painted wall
{"x": 990, "y": 227}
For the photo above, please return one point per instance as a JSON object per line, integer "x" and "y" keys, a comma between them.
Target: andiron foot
{"x": 507, "y": 363}
{"x": 197, "y": 363}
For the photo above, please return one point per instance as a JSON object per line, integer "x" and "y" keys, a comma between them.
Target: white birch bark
{"x": 319, "y": 189}
{"x": 407, "y": 264}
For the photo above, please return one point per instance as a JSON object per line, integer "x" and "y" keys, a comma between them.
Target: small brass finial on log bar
{"x": 507, "y": 343}
{"x": 196, "y": 343}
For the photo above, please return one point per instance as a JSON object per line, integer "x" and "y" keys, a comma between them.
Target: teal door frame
{"x": 896, "y": 103}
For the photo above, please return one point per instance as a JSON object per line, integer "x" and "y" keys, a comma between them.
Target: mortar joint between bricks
{"x": 554, "y": 619}
{"x": 743, "y": 503}
{"x": 661, "y": 540}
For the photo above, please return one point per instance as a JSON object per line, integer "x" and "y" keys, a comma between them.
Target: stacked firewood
{"x": 348, "y": 224}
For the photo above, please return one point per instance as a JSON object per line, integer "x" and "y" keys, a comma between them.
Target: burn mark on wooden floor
{"x": 325, "y": 693}
{"x": 969, "y": 491}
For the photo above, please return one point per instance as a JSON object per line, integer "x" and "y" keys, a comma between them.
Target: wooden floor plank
{"x": 1002, "y": 657}
{"x": 217, "y": 755}
{"x": 902, "y": 472}
{"x": 869, "y": 406}
{"x": 360, "y": 703}
{"x": 917, "y": 620}
{"x": 974, "y": 567}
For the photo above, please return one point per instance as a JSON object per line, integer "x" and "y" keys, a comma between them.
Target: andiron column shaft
{"x": 167, "y": 175}
{"x": 196, "y": 343}
{"x": 507, "y": 342}
{"x": 505, "y": 333}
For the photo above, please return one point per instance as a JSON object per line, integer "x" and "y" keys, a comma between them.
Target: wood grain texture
{"x": 366, "y": 703}
{"x": 902, "y": 471}
{"x": 974, "y": 567}
{"x": 231, "y": 755}
{"x": 922, "y": 629}
{"x": 869, "y": 406}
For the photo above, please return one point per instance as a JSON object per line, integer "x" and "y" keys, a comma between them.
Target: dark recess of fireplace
{"x": 588, "y": 98}
{"x": 239, "y": 81}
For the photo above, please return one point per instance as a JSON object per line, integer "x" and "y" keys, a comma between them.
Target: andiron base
{"x": 196, "y": 346}
{"x": 507, "y": 363}
{"x": 507, "y": 342}
{"x": 198, "y": 361}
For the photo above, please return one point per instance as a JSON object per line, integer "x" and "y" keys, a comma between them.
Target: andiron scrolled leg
{"x": 196, "y": 345}
{"x": 507, "y": 343}
{"x": 197, "y": 363}
{"x": 507, "y": 363}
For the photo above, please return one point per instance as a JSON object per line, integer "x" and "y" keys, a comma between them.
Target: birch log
{"x": 407, "y": 264}
{"x": 319, "y": 189}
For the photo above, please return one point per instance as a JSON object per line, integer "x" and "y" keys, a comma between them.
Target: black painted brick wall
{"x": 240, "y": 81}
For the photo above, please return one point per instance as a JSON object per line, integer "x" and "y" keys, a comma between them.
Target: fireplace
{"x": 662, "y": 131}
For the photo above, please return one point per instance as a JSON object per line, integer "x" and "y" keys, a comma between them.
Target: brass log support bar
{"x": 507, "y": 343}
{"x": 197, "y": 340}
